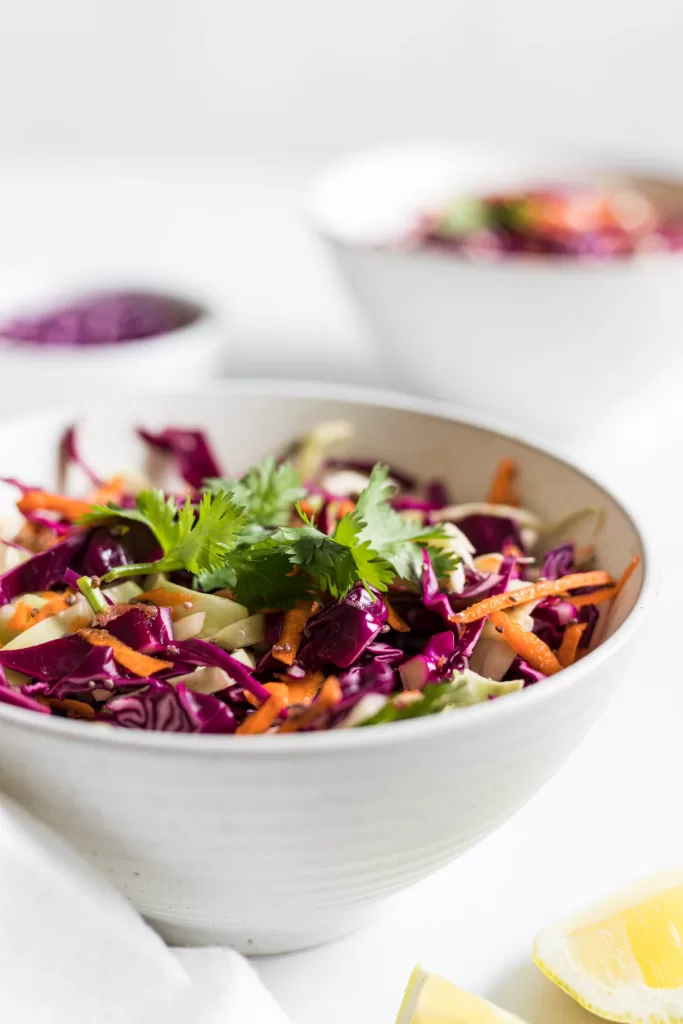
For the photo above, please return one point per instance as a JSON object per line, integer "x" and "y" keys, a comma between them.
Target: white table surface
{"x": 612, "y": 813}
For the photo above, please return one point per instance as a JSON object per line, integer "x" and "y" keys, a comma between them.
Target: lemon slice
{"x": 623, "y": 959}
{"x": 430, "y": 999}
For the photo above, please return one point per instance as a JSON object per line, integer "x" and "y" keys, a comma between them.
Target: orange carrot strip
{"x": 597, "y": 597}
{"x": 22, "y": 617}
{"x": 394, "y": 619}
{"x": 73, "y": 708}
{"x": 111, "y": 490}
{"x": 513, "y": 551}
{"x": 329, "y": 696}
{"x": 162, "y": 598}
{"x": 503, "y": 490}
{"x": 626, "y": 574}
{"x": 306, "y": 507}
{"x": 600, "y": 596}
{"x": 68, "y": 508}
{"x": 139, "y": 664}
{"x": 58, "y": 603}
{"x": 285, "y": 650}
{"x": 569, "y": 647}
{"x": 343, "y": 507}
{"x": 299, "y": 691}
{"x": 263, "y": 717}
{"x": 534, "y": 592}
{"x": 526, "y": 644}
{"x": 302, "y": 691}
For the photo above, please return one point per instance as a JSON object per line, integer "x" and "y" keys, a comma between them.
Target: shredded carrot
{"x": 73, "y": 708}
{"x": 302, "y": 691}
{"x": 162, "y": 598}
{"x": 503, "y": 490}
{"x": 139, "y": 664}
{"x": 263, "y": 717}
{"x": 597, "y": 597}
{"x": 513, "y": 551}
{"x": 329, "y": 696}
{"x": 299, "y": 691}
{"x": 534, "y": 592}
{"x": 526, "y": 644}
{"x": 394, "y": 619}
{"x": 111, "y": 490}
{"x": 285, "y": 650}
{"x": 56, "y": 604}
{"x": 22, "y": 617}
{"x": 600, "y": 596}
{"x": 343, "y": 507}
{"x": 569, "y": 647}
{"x": 627, "y": 573}
{"x": 488, "y": 563}
{"x": 306, "y": 507}
{"x": 68, "y": 508}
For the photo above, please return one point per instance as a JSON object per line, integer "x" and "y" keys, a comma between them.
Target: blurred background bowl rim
{"x": 352, "y": 739}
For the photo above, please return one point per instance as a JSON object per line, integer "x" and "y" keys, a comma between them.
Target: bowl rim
{"x": 213, "y": 745}
{"x": 511, "y": 263}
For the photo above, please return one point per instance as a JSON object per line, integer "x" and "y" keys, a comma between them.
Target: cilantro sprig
{"x": 294, "y": 561}
{"x": 240, "y": 539}
{"x": 394, "y": 537}
{"x": 267, "y": 492}
{"x": 196, "y": 538}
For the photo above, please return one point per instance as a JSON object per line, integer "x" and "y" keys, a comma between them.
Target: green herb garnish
{"x": 196, "y": 538}
{"x": 240, "y": 540}
{"x": 267, "y": 492}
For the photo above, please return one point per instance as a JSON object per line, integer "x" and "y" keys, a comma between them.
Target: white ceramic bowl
{"x": 548, "y": 343}
{"x": 49, "y": 375}
{"x": 275, "y": 843}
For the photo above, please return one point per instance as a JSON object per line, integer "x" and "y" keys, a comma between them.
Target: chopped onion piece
{"x": 191, "y": 625}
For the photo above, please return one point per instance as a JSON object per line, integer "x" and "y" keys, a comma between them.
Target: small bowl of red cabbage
{"x": 59, "y": 336}
{"x": 101, "y": 318}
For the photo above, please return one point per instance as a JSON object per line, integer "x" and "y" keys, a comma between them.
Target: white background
{"x": 176, "y": 137}
{"x": 286, "y": 79}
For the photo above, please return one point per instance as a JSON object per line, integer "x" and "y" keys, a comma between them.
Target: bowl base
{"x": 261, "y": 941}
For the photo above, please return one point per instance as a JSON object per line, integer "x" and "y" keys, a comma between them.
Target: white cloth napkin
{"x": 73, "y": 951}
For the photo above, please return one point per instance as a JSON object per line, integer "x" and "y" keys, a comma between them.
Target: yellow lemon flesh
{"x": 623, "y": 959}
{"x": 430, "y": 999}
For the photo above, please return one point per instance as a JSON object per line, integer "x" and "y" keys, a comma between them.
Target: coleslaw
{"x": 310, "y": 593}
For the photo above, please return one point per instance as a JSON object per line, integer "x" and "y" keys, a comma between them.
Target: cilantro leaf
{"x": 194, "y": 538}
{"x": 260, "y": 576}
{"x": 394, "y": 537}
{"x": 266, "y": 491}
{"x": 337, "y": 562}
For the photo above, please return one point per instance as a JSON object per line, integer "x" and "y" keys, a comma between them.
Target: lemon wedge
{"x": 623, "y": 959}
{"x": 430, "y": 999}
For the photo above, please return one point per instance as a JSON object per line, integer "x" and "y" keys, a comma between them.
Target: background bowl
{"x": 545, "y": 342}
{"x": 275, "y": 843}
{"x": 47, "y": 375}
